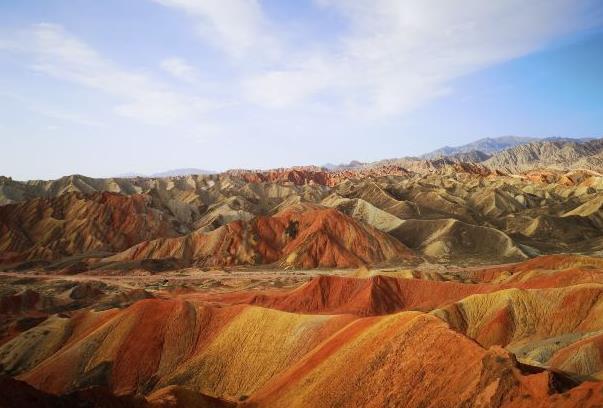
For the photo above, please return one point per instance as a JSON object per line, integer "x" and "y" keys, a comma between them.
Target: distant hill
{"x": 168, "y": 173}
{"x": 474, "y": 156}
{"x": 487, "y": 145}
{"x": 553, "y": 153}
{"x": 130, "y": 175}
{"x": 350, "y": 165}
{"x": 182, "y": 172}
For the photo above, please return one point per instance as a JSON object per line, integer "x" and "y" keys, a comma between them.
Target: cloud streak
{"x": 397, "y": 56}
{"x": 180, "y": 69}
{"x": 59, "y": 54}
{"x": 238, "y": 27}
{"x": 389, "y": 58}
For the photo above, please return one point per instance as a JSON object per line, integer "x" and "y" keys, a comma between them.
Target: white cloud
{"x": 180, "y": 69}
{"x": 65, "y": 116}
{"x": 398, "y": 55}
{"x": 61, "y": 55}
{"x": 286, "y": 87}
{"x": 236, "y": 26}
{"x": 391, "y": 57}
{"x": 53, "y": 112}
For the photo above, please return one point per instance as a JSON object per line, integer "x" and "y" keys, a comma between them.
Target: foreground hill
{"x": 527, "y": 335}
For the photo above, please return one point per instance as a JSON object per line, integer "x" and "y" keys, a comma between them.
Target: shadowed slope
{"x": 453, "y": 239}
{"x": 75, "y": 223}
{"x": 15, "y": 393}
{"x": 182, "y": 397}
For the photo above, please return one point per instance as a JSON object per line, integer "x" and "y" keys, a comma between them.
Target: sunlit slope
{"x": 208, "y": 349}
{"x": 339, "y": 341}
{"x": 386, "y": 293}
{"x": 300, "y": 237}
{"x": 408, "y": 360}
{"x": 537, "y": 324}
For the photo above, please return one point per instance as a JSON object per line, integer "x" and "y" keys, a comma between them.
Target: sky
{"x": 108, "y": 87}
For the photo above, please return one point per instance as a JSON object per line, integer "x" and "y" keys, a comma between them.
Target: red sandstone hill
{"x": 305, "y": 237}
{"x": 299, "y": 175}
{"x": 568, "y": 269}
{"x": 306, "y": 175}
{"x": 270, "y": 358}
{"x": 336, "y": 341}
{"x": 378, "y": 295}
{"x": 75, "y": 223}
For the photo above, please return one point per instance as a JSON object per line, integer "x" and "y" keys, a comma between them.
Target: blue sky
{"x": 103, "y": 88}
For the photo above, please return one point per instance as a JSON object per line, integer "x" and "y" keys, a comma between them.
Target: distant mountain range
{"x": 515, "y": 154}
{"x": 507, "y": 153}
{"x": 168, "y": 173}
{"x": 490, "y": 146}
{"x": 182, "y": 172}
{"x": 487, "y": 145}
{"x": 350, "y": 165}
{"x": 553, "y": 154}
{"x": 510, "y": 154}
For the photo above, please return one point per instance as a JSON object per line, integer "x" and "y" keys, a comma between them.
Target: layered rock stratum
{"x": 470, "y": 279}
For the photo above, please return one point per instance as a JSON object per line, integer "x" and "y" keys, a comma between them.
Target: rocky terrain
{"x": 469, "y": 280}
{"x": 550, "y": 154}
{"x": 490, "y": 146}
{"x": 523, "y": 334}
{"x": 487, "y": 146}
{"x": 509, "y": 155}
{"x": 462, "y": 215}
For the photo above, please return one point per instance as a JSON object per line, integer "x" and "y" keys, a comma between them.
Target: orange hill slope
{"x": 413, "y": 360}
{"x": 558, "y": 327}
{"x": 377, "y": 295}
{"x": 317, "y": 349}
{"x": 271, "y": 358}
{"x": 551, "y": 270}
{"x": 74, "y": 223}
{"x": 156, "y": 343}
{"x": 381, "y": 294}
{"x": 305, "y": 237}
